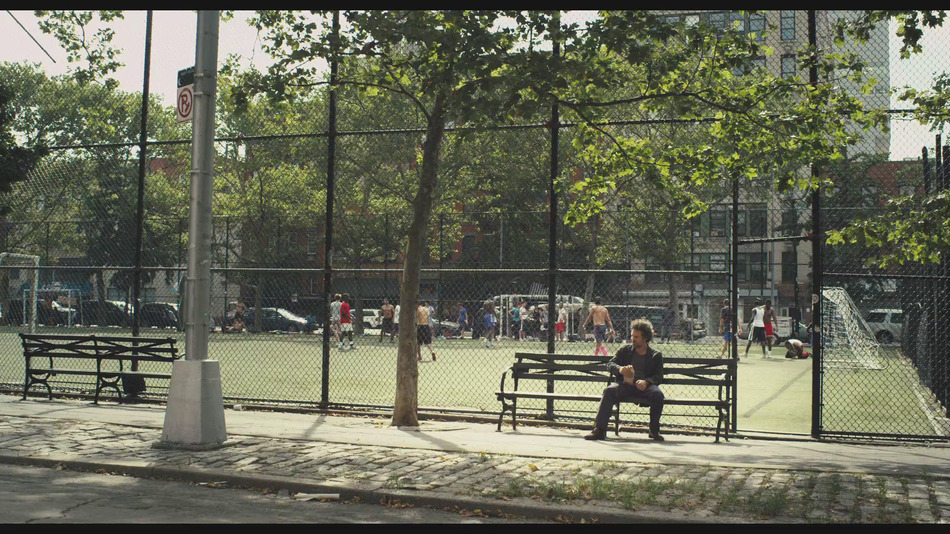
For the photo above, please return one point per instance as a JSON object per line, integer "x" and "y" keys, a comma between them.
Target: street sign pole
{"x": 194, "y": 418}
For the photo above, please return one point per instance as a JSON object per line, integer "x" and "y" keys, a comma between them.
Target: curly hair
{"x": 644, "y": 326}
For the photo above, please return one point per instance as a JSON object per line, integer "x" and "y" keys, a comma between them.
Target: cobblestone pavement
{"x": 547, "y": 488}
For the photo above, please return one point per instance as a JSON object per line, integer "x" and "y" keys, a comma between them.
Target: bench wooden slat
{"x": 90, "y": 372}
{"x": 571, "y": 396}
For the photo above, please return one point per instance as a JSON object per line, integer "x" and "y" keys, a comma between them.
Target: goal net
{"x": 20, "y": 274}
{"x": 848, "y": 340}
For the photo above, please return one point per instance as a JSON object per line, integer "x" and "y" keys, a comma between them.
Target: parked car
{"x": 159, "y": 315}
{"x": 276, "y": 319}
{"x": 55, "y": 315}
{"x": 64, "y": 314}
{"x": 104, "y": 313}
{"x": 372, "y": 319}
{"x": 885, "y": 324}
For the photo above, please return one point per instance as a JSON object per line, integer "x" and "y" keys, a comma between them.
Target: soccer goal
{"x": 848, "y": 341}
{"x": 22, "y": 271}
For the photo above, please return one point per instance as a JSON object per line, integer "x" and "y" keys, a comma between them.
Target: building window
{"x": 737, "y": 21}
{"x": 787, "y": 24}
{"x": 717, "y": 20}
{"x": 750, "y": 267}
{"x": 313, "y": 241}
{"x": 717, "y": 262}
{"x": 757, "y": 26}
{"x": 717, "y": 223}
{"x": 758, "y": 226}
{"x": 789, "y": 267}
{"x": 789, "y": 69}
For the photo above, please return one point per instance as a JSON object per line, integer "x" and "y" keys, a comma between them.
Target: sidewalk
{"x": 538, "y": 472}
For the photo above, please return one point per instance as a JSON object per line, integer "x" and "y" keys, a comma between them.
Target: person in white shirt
{"x": 396, "y": 321}
{"x": 796, "y": 349}
{"x": 757, "y": 328}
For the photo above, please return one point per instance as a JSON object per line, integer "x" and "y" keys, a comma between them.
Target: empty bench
{"x": 50, "y": 355}
{"x": 711, "y": 378}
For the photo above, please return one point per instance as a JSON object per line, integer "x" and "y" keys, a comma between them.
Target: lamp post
{"x": 194, "y": 417}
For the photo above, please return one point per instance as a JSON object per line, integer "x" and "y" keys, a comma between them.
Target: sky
{"x": 173, "y": 49}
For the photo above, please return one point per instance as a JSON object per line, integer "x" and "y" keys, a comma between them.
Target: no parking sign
{"x": 185, "y": 102}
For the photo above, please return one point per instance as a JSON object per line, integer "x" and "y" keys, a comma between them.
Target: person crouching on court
{"x": 639, "y": 372}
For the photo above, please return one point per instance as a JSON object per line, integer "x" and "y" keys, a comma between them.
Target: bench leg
{"x": 723, "y": 422}
{"x": 617, "y": 419}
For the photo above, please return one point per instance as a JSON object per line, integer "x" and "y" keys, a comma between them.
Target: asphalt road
{"x": 37, "y": 495}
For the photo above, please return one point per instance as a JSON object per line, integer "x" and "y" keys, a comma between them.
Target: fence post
{"x": 817, "y": 267}
{"x": 140, "y": 206}
{"x": 734, "y": 297}
{"x": 552, "y": 226}
{"x": 328, "y": 241}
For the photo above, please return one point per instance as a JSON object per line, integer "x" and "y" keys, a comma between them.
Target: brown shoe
{"x": 596, "y": 434}
{"x": 655, "y": 436}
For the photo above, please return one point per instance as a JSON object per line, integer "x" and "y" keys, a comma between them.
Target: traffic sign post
{"x": 185, "y": 102}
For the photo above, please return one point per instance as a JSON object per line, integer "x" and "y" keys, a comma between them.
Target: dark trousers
{"x": 627, "y": 392}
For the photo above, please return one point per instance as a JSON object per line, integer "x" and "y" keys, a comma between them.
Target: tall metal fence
{"x": 882, "y": 369}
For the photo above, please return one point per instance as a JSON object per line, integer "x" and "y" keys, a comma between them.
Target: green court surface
{"x": 773, "y": 394}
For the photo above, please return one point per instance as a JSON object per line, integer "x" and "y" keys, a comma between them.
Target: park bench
{"x": 44, "y": 353}
{"x": 713, "y": 377}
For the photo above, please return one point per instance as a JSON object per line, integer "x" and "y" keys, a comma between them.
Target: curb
{"x": 528, "y": 508}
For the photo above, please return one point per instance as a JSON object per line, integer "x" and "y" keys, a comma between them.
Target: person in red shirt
{"x": 346, "y": 321}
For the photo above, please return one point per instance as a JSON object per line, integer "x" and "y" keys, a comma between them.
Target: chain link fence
{"x": 882, "y": 369}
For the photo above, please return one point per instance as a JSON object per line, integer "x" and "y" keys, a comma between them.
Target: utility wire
{"x": 31, "y": 37}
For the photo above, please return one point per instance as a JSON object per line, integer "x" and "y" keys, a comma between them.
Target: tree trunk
{"x": 407, "y": 370}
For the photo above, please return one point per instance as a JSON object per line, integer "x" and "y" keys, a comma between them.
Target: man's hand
{"x": 642, "y": 384}
{"x": 627, "y": 373}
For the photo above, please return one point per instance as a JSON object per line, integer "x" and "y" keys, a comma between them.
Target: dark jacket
{"x": 652, "y": 371}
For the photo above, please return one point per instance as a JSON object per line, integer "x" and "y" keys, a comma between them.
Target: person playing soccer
{"x": 601, "y": 319}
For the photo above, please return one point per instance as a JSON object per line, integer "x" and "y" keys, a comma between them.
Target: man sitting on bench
{"x": 639, "y": 370}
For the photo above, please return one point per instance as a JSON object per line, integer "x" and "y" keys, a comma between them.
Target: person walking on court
{"x": 515, "y": 313}
{"x": 463, "y": 319}
{"x": 523, "y": 313}
{"x": 489, "y": 323}
{"x": 395, "y": 322}
{"x": 431, "y": 319}
{"x": 386, "y": 312}
{"x": 757, "y": 328}
{"x": 423, "y": 331}
{"x": 669, "y": 321}
{"x": 346, "y": 321}
{"x": 771, "y": 324}
{"x": 726, "y": 318}
{"x": 601, "y": 319}
{"x": 638, "y": 370}
{"x": 335, "y": 318}
{"x": 561, "y": 322}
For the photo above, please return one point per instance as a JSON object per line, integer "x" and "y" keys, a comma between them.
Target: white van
{"x": 885, "y": 324}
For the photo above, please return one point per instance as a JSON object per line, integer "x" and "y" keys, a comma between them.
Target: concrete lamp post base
{"x": 194, "y": 417}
